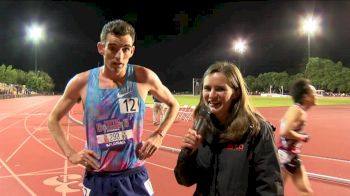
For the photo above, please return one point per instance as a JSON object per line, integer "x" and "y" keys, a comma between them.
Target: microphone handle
{"x": 198, "y": 126}
{"x": 187, "y": 151}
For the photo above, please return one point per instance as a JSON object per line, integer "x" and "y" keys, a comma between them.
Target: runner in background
{"x": 157, "y": 115}
{"x": 292, "y": 135}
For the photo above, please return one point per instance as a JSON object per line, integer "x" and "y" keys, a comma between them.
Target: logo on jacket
{"x": 235, "y": 147}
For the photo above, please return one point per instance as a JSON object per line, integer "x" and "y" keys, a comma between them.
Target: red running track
{"x": 32, "y": 164}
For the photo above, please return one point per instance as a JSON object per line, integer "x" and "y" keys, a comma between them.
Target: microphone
{"x": 202, "y": 116}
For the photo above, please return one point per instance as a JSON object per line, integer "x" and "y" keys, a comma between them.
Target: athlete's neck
{"x": 117, "y": 76}
{"x": 302, "y": 106}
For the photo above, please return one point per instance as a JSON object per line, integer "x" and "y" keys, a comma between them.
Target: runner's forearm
{"x": 169, "y": 118}
{"x": 57, "y": 133}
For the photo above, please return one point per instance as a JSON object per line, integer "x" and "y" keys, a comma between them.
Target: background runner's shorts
{"x": 289, "y": 161}
{"x": 293, "y": 165}
{"x": 132, "y": 182}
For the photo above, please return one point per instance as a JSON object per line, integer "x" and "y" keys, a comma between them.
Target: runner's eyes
{"x": 126, "y": 49}
{"x": 116, "y": 49}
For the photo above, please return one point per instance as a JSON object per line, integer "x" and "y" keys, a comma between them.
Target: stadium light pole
{"x": 35, "y": 33}
{"x": 240, "y": 46}
{"x": 310, "y": 26}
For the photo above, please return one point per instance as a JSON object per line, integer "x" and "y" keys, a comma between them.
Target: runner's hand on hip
{"x": 88, "y": 158}
{"x": 150, "y": 146}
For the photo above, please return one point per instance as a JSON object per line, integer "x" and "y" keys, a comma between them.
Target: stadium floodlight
{"x": 240, "y": 46}
{"x": 35, "y": 33}
{"x": 310, "y": 26}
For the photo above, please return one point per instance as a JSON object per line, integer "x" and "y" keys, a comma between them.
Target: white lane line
{"x": 54, "y": 169}
{"x": 44, "y": 145}
{"x": 25, "y": 114}
{"x": 76, "y": 137}
{"x": 333, "y": 179}
{"x": 161, "y": 166}
{"x": 30, "y": 174}
{"x": 20, "y": 120}
{"x": 25, "y": 141}
{"x": 10, "y": 125}
{"x": 326, "y": 158}
{"x": 168, "y": 134}
{"x": 28, "y": 107}
{"x": 40, "y": 142}
{"x": 17, "y": 178}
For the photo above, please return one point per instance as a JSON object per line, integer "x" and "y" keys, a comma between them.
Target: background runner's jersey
{"x": 113, "y": 119}
{"x": 291, "y": 145}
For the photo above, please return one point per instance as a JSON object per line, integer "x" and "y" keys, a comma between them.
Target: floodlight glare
{"x": 35, "y": 33}
{"x": 310, "y": 25}
{"x": 240, "y": 46}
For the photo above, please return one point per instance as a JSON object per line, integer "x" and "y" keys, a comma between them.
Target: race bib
{"x": 114, "y": 132}
{"x": 129, "y": 105}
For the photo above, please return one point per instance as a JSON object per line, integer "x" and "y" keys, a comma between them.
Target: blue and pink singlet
{"x": 114, "y": 122}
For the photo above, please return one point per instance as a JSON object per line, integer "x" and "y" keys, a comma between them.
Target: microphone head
{"x": 204, "y": 112}
{"x": 203, "y": 115}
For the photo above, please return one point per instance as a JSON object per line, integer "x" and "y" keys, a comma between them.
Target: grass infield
{"x": 259, "y": 101}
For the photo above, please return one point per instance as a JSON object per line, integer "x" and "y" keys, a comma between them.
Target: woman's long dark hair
{"x": 243, "y": 119}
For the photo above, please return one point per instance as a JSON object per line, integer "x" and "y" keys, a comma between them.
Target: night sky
{"x": 176, "y": 39}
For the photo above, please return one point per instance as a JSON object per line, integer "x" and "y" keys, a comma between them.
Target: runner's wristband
{"x": 160, "y": 133}
{"x": 306, "y": 139}
{"x": 69, "y": 155}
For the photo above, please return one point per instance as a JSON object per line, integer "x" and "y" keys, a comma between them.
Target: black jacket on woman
{"x": 249, "y": 167}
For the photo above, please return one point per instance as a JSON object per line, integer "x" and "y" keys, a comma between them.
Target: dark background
{"x": 176, "y": 39}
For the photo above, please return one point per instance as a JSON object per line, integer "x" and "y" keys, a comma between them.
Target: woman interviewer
{"x": 235, "y": 153}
